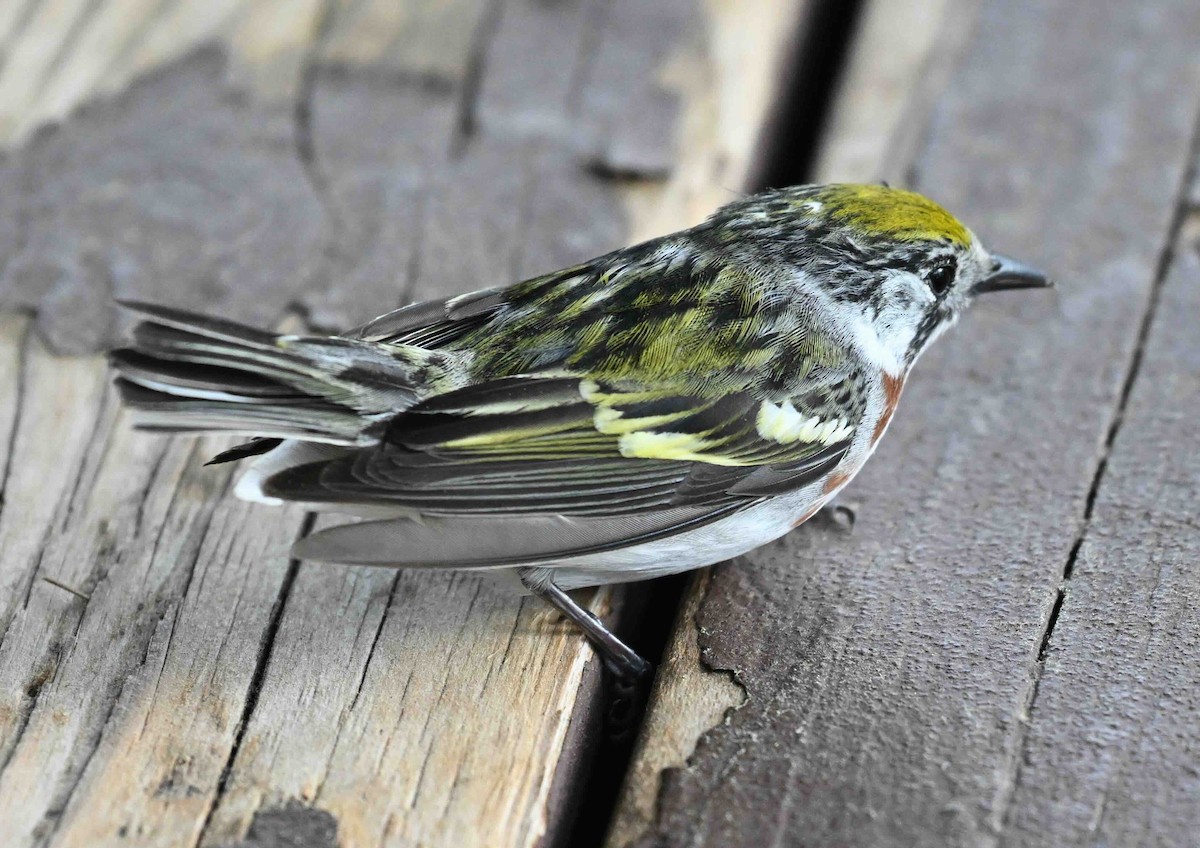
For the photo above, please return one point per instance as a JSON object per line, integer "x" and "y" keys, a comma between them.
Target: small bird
{"x": 660, "y": 408}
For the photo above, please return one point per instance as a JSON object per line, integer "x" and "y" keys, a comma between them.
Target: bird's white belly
{"x": 716, "y": 542}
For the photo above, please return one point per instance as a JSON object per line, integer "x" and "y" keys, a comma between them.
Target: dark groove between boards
{"x": 793, "y": 134}
{"x": 1162, "y": 266}
{"x": 650, "y": 609}
{"x": 788, "y": 154}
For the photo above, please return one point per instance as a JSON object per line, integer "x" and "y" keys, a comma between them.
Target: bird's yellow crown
{"x": 890, "y": 213}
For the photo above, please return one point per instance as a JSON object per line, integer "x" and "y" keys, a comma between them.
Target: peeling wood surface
{"x": 688, "y": 699}
{"x": 167, "y": 675}
{"x": 884, "y": 94}
{"x": 891, "y": 673}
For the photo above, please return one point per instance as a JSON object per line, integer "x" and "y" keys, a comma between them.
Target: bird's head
{"x": 897, "y": 267}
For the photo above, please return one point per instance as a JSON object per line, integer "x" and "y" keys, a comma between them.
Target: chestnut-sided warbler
{"x": 657, "y": 409}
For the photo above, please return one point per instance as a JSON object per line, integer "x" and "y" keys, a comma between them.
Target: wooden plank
{"x": 60, "y": 53}
{"x": 424, "y": 39}
{"x": 180, "y": 682}
{"x": 888, "y": 671}
{"x": 39, "y": 473}
{"x": 1114, "y": 736}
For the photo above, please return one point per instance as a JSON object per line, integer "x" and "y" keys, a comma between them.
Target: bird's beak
{"x": 1011, "y": 274}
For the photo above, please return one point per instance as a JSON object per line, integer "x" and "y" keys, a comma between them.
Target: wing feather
{"x": 565, "y": 446}
{"x": 495, "y": 541}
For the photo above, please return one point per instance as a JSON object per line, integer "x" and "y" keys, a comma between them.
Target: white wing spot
{"x": 782, "y": 423}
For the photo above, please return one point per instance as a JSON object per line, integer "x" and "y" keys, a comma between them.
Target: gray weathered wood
{"x": 889, "y": 671}
{"x": 174, "y": 191}
{"x": 1114, "y": 733}
{"x": 688, "y": 698}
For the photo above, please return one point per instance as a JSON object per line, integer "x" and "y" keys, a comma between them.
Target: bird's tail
{"x": 193, "y": 373}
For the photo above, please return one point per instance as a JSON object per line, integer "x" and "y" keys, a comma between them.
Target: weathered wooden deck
{"x": 1005, "y": 650}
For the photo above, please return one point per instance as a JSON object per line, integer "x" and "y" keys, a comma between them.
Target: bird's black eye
{"x": 941, "y": 276}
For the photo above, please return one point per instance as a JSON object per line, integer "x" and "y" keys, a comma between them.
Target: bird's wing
{"x": 571, "y": 446}
{"x": 432, "y": 323}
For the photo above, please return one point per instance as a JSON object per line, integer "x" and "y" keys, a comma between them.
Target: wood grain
{"x": 1114, "y": 733}
{"x": 180, "y": 681}
{"x": 889, "y": 672}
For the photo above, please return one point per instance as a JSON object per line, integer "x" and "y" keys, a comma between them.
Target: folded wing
{"x": 567, "y": 446}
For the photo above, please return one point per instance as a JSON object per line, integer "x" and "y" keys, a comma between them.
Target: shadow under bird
{"x": 660, "y": 408}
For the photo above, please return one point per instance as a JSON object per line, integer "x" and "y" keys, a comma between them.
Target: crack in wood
{"x": 52, "y": 817}
{"x": 391, "y": 594}
{"x": 32, "y": 692}
{"x": 14, "y": 412}
{"x": 1132, "y": 370}
{"x": 172, "y": 608}
{"x": 468, "y": 98}
{"x": 261, "y": 665}
{"x": 302, "y": 118}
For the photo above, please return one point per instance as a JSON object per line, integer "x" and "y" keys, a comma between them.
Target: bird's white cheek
{"x": 872, "y": 340}
{"x": 897, "y": 330}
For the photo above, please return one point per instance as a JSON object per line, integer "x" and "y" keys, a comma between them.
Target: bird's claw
{"x": 841, "y": 516}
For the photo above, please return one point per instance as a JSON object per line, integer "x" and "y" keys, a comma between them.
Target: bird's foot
{"x": 840, "y": 516}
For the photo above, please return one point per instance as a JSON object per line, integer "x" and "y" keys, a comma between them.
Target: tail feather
{"x": 195, "y": 380}
{"x": 193, "y": 373}
{"x": 220, "y": 329}
{"x": 313, "y": 421}
{"x": 286, "y": 368}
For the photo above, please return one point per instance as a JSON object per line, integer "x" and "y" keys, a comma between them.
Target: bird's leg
{"x": 619, "y": 658}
